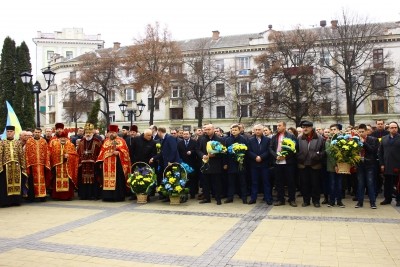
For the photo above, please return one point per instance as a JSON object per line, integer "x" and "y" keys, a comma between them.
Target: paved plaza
{"x": 97, "y": 233}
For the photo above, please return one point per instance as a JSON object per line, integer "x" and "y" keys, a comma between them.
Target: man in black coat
{"x": 213, "y": 172}
{"x": 236, "y": 173}
{"x": 187, "y": 152}
{"x": 169, "y": 149}
{"x": 143, "y": 147}
{"x": 284, "y": 167}
{"x": 389, "y": 161}
{"x": 258, "y": 155}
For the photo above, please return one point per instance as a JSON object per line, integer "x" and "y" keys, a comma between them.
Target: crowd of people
{"x": 38, "y": 166}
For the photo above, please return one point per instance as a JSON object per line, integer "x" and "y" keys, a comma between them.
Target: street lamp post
{"x": 131, "y": 112}
{"x": 26, "y": 78}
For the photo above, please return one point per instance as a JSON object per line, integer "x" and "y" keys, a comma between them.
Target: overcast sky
{"x": 122, "y": 21}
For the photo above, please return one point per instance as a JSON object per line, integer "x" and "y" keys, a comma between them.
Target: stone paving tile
{"x": 17, "y": 221}
{"x": 234, "y": 244}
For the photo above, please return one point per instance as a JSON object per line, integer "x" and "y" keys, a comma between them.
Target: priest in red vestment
{"x": 37, "y": 166}
{"x": 115, "y": 166}
{"x": 64, "y": 166}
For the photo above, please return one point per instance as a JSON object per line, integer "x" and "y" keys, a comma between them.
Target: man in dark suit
{"x": 389, "y": 161}
{"x": 258, "y": 155}
{"x": 169, "y": 149}
{"x": 187, "y": 152}
{"x": 211, "y": 174}
{"x": 284, "y": 167}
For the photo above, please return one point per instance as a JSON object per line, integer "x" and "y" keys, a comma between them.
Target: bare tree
{"x": 288, "y": 78}
{"x": 202, "y": 74}
{"x": 98, "y": 75}
{"x": 149, "y": 61}
{"x": 351, "y": 51}
{"x": 75, "y": 107}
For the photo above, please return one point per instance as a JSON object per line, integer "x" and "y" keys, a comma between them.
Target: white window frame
{"x": 244, "y": 87}
{"x": 69, "y": 54}
{"x": 219, "y": 64}
{"x": 51, "y": 100}
{"x": 176, "y": 92}
{"x": 50, "y": 54}
{"x": 112, "y": 116}
{"x": 130, "y": 94}
{"x": 111, "y": 96}
{"x": 243, "y": 63}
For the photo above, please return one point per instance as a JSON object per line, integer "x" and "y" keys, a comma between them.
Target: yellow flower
{"x": 178, "y": 188}
{"x": 346, "y": 147}
{"x": 171, "y": 180}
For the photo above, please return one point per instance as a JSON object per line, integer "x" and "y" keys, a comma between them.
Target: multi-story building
{"x": 235, "y": 57}
{"x": 60, "y": 46}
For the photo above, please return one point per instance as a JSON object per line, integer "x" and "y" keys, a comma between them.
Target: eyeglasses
{"x": 393, "y": 127}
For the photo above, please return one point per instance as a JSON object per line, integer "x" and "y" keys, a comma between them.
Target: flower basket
{"x": 346, "y": 148}
{"x": 174, "y": 181}
{"x": 141, "y": 198}
{"x": 141, "y": 179}
{"x": 174, "y": 200}
{"x": 343, "y": 167}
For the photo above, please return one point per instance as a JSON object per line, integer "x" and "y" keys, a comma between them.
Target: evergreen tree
{"x": 8, "y": 76}
{"x": 25, "y": 105}
{"x": 94, "y": 113}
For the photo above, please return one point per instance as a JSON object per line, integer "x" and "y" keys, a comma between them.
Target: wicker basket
{"x": 141, "y": 198}
{"x": 140, "y": 164}
{"x": 343, "y": 168}
{"x": 174, "y": 200}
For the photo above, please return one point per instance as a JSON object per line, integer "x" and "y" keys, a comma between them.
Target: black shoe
{"x": 355, "y": 199}
{"x": 305, "y": 204}
{"x": 373, "y": 206}
{"x": 331, "y": 205}
{"x": 228, "y": 200}
{"x": 244, "y": 201}
{"x": 386, "y": 202}
{"x": 268, "y": 203}
{"x": 340, "y": 204}
{"x": 251, "y": 202}
{"x": 359, "y": 205}
{"x": 279, "y": 203}
{"x": 293, "y": 203}
{"x": 218, "y": 202}
{"x": 317, "y": 205}
{"x": 325, "y": 201}
{"x": 204, "y": 201}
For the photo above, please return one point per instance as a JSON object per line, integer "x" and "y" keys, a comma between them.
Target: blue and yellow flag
{"x": 12, "y": 120}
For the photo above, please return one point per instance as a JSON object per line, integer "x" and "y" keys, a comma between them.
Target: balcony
{"x": 299, "y": 71}
{"x": 175, "y": 103}
{"x": 244, "y": 72}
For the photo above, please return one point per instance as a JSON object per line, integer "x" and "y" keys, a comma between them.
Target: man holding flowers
{"x": 389, "y": 161}
{"x": 213, "y": 172}
{"x": 366, "y": 167}
{"x": 237, "y": 150}
{"x": 284, "y": 167}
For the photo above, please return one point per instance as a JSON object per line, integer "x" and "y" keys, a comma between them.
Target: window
{"x": 156, "y": 103}
{"x": 220, "y": 89}
{"x": 326, "y": 108}
{"x": 72, "y": 75}
{"x": 220, "y": 112}
{"x": 51, "y": 100}
{"x": 198, "y": 112}
{"x": 69, "y": 54}
{"x": 90, "y": 96}
{"x": 176, "y": 113}
{"x": 244, "y": 88}
{"x": 244, "y": 111}
{"x": 324, "y": 58}
{"x": 52, "y": 118}
{"x": 176, "y": 92}
{"x": 350, "y": 60}
{"x": 378, "y": 81}
{"x": 378, "y": 58}
{"x": 130, "y": 94}
{"x": 379, "y": 106}
{"x": 112, "y": 116}
{"x": 326, "y": 83}
{"x": 175, "y": 69}
{"x": 243, "y": 63}
{"x": 72, "y": 95}
{"x": 198, "y": 67}
{"x": 219, "y": 65}
{"x": 111, "y": 96}
{"x": 99, "y": 46}
{"x": 50, "y": 55}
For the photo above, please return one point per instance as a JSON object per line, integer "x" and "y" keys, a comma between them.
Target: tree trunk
{"x": 151, "y": 110}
